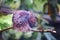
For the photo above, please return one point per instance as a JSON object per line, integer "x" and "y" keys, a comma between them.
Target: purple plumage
{"x": 22, "y": 20}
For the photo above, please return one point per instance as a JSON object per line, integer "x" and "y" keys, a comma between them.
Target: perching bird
{"x": 23, "y": 20}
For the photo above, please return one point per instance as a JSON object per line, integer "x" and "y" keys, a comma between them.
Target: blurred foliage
{"x": 58, "y": 1}
{"x": 13, "y": 4}
{"x": 5, "y": 21}
{"x": 11, "y": 35}
{"x": 38, "y": 5}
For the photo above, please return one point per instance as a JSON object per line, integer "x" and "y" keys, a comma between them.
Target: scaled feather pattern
{"x": 23, "y": 20}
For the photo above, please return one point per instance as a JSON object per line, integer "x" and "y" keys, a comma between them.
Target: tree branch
{"x": 49, "y": 30}
{"x": 6, "y": 29}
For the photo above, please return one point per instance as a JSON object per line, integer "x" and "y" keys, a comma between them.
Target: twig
{"x": 31, "y": 30}
{"x": 44, "y": 31}
{"x": 6, "y": 29}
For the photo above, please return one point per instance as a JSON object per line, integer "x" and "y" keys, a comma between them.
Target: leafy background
{"x": 6, "y": 20}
